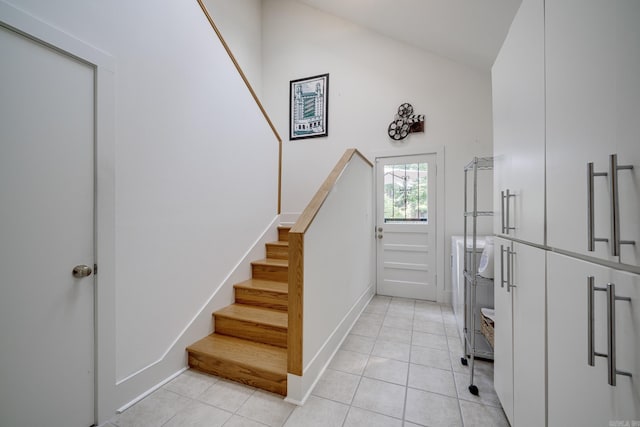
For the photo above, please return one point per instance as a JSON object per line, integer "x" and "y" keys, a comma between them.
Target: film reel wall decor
{"x": 405, "y": 122}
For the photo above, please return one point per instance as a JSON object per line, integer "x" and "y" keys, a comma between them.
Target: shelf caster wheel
{"x": 464, "y": 361}
{"x": 473, "y": 390}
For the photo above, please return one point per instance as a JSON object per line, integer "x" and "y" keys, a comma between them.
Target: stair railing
{"x": 296, "y": 260}
{"x": 253, "y": 94}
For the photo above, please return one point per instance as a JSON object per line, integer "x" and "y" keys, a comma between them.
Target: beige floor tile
{"x": 191, "y": 383}
{"x": 429, "y": 327}
{"x": 486, "y": 393}
{"x": 198, "y": 414}
{"x": 398, "y": 322}
{"x": 381, "y": 397}
{"x": 392, "y": 350}
{"x": 318, "y": 412}
{"x": 227, "y": 395}
{"x": 424, "y": 339}
{"x": 389, "y": 370}
{"x": 154, "y": 410}
{"x": 430, "y": 357}
{"x": 338, "y": 386}
{"x": 432, "y": 379}
{"x": 367, "y": 328}
{"x": 358, "y": 343}
{"x": 267, "y": 408}
{"x": 402, "y": 336}
{"x": 476, "y": 415}
{"x": 430, "y": 409}
{"x": 362, "y": 418}
{"x": 349, "y": 361}
{"x": 238, "y": 421}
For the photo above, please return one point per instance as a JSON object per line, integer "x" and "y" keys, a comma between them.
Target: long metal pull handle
{"x": 507, "y": 217}
{"x": 615, "y": 205}
{"x": 611, "y": 355}
{"x": 590, "y": 349}
{"x": 502, "y": 210}
{"x": 510, "y": 269}
{"x": 611, "y": 333}
{"x": 502, "y": 266}
{"x": 591, "y": 239}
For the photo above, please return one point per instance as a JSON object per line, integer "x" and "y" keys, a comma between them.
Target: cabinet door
{"x": 628, "y": 125}
{"x": 529, "y": 350}
{"x": 592, "y": 109}
{"x": 579, "y": 394}
{"x": 519, "y": 128}
{"x": 503, "y": 332}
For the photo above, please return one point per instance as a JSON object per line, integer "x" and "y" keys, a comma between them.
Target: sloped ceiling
{"x": 467, "y": 31}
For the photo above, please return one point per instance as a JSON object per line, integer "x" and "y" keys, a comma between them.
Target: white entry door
{"x": 46, "y": 229}
{"x": 406, "y": 225}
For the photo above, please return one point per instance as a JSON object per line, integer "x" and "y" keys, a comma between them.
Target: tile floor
{"x": 400, "y": 366}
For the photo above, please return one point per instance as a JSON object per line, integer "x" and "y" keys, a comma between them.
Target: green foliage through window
{"x": 405, "y": 193}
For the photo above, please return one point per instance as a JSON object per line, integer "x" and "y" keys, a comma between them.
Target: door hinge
{"x": 95, "y": 269}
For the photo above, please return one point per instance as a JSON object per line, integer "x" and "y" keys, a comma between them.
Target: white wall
{"x": 240, "y": 23}
{"x": 338, "y": 275}
{"x": 370, "y": 76}
{"x": 189, "y": 145}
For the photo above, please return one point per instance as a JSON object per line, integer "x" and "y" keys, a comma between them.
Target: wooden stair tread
{"x": 279, "y": 243}
{"x": 266, "y": 285}
{"x": 236, "y": 350}
{"x": 253, "y": 314}
{"x": 271, "y": 262}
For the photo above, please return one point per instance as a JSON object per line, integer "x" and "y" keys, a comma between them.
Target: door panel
{"x": 47, "y": 228}
{"x": 405, "y": 197}
{"x": 579, "y": 394}
{"x": 519, "y": 127}
{"x": 503, "y": 331}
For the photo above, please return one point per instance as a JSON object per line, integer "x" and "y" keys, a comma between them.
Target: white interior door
{"x": 46, "y": 229}
{"x": 406, "y": 225}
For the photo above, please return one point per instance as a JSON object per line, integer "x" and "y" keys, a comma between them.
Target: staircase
{"x": 249, "y": 342}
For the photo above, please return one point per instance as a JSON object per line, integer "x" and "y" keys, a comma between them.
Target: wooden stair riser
{"x": 258, "y": 332}
{"x": 283, "y": 234}
{"x": 277, "y": 251}
{"x": 239, "y": 372}
{"x": 262, "y": 298}
{"x": 270, "y": 272}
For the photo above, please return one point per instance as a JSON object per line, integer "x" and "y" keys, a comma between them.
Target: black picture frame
{"x": 309, "y": 107}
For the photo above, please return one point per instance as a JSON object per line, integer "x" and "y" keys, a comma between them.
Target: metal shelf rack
{"x": 471, "y": 277}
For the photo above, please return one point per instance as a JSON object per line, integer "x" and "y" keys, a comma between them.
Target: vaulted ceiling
{"x": 467, "y": 31}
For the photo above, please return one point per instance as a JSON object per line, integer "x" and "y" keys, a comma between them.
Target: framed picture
{"x": 309, "y": 107}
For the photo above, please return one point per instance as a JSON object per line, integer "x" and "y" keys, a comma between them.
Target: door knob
{"x": 82, "y": 271}
{"x": 379, "y": 236}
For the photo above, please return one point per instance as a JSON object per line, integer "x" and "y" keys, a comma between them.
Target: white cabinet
{"x": 580, "y": 394}
{"x": 519, "y": 335}
{"x": 519, "y": 128}
{"x": 503, "y": 331}
{"x": 592, "y": 111}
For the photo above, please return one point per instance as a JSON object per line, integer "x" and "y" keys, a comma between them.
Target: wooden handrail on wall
{"x": 255, "y": 97}
{"x": 296, "y": 261}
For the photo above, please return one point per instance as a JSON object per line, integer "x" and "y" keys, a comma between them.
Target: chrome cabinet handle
{"x": 502, "y": 211}
{"x": 591, "y": 239}
{"x": 510, "y": 269}
{"x": 611, "y": 355}
{"x": 506, "y": 195}
{"x": 615, "y": 205}
{"x": 502, "y": 282}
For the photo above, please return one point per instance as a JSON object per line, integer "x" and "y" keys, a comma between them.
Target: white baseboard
{"x": 300, "y": 387}
{"x": 174, "y": 360}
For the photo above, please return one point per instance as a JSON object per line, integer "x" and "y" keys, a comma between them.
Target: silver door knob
{"x": 82, "y": 271}
{"x": 379, "y": 228}
{"x": 379, "y": 236}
